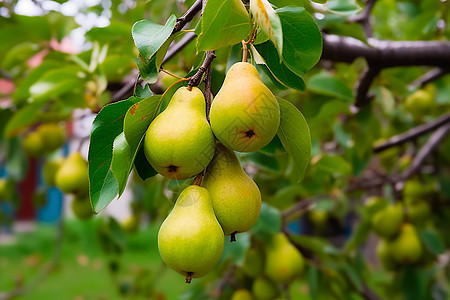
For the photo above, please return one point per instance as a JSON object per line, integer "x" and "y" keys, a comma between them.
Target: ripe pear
{"x": 386, "y": 222}
{"x": 236, "y": 197}
{"x": 245, "y": 115}
{"x": 242, "y": 294}
{"x": 385, "y": 256}
{"x": 179, "y": 142}
{"x": 81, "y": 208}
{"x": 418, "y": 211}
{"x": 420, "y": 103}
{"x": 283, "y": 261}
{"x": 33, "y": 144}
{"x": 3, "y": 189}
{"x": 53, "y": 136}
{"x": 406, "y": 248}
{"x": 264, "y": 289}
{"x": 131, "y": 223}
{"x": 72, "y": 176}
{"x": 191, "y": 240}
{"x": 416, "y": 190}
{"x": 254, "y": 262}
{"x": 50, "y": 168}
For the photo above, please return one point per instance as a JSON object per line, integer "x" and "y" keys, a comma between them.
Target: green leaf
{"x": 325, "y": 84}
{"x": 269, "y": 220}
{"x": 143, "y": 92}
{"x": 313, "y": 278}
{"x": 302, "y": 39}
{"x": 266, "y": 54}
{"x": 334, "y": 164}
{"x": 19, "y": 54}
{"x": 143, "y": 167}
{"x": 23, "y": 118}
{"x": 121, "y": 161}
{"x": 269, "y": 21}
{"x": 294, "y": 135}
{"x": 106, "y": 127}
{"x": 433, "y": 241}
{"x": 152, "y": 41}
{"x": 224, "y": 23}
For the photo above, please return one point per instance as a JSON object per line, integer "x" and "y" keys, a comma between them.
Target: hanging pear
{"x": 72, "y": 176}
{"x": 386, "y": 222}
{"x": 179, "y": 142}
{"x": 283, "y": 261}
{"x": 236, "y": 197}
{"x": 406, "y": 248}
{"x": 191, "y": 240}
{"x": 245, "y": 115}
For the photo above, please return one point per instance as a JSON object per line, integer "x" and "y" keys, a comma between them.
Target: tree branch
{"x": 208, "y": 92}
{"x": 428, "y": 77}
{"x": 196, "y": 79}
{"x": 177, "y": 47}
{"x": 188, "y": 16}
{"x": 364, "y": 17}
{"x": 363, "y": 86}
{"x": 413, "y": 133}
{"x": 385, "y": 54}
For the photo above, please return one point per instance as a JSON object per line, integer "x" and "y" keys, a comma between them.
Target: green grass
{"x": 83, "y": 268}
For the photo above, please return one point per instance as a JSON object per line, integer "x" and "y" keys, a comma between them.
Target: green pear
{"x": 245, "y": 115}
{"x": 264, "y": 289}
{"x": 385, "y": 256}
{"x": 3, "y": 189}
{"x": 72, "y": 176}
{"x": 386, "y": 222}
{"x": 420, "y": 102}
{"x": 236, "y": 197}
{"x": 53, "y": 136}
{"x": 416, "y": 190}
{"x": 33, "y": 144}
{"x": 254, "y": 262}
{"x": 131, "y": 223}
{"x": 191, "y": 240}
{"x": 242, "y": 294}
{"x": 283, "y": 261}
{"x": 81, "y": 208}
{"x": 406, "y": 248}
{"x": 418, "y": 211}
{"x": 179, "y": 142}
{"x": 50, "y": 168}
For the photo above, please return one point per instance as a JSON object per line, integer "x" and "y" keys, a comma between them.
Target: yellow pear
{"x": 179, "y": 142}
{"x": 283, "y": 261}
{"x": 406, "y": 248}
{"x": 72, "y": 176}
{"x": 191, "y": 240}
{"x": 384, "y": 255}
{"x": 81, "y": 208}
{"x": 245, "y": 115}
{"x": 236, "y": 197}
{"x": 264, "y": 289}
{"x": 242, "y": 294}
{"x": 4, "y": 194}
{"x": 33, "y": 144}
{"x": 49, "y": 170}
{"x": 53, "y": 136}
{"x": 386, "y": 222}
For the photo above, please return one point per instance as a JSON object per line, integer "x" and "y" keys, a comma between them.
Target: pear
{"x": 384, "y": 255}
{"x": 49, "y": 170}
{"x": 406, "y": 248}
{"x": 72, "y": 176}
{"x": 242, "y": 294}
{"x": 131, "y": 223}
{"x": 191, "y": 240}
{"x": 264, "y": 289}
{"x": 179, "y": 142}
{"x": 33, "y": 145}
{"x": 245, "y": 115}
{"x": 418, "y": 212}
{"x": 386, "y": 222}
{"x": 81, "y": 208}
{"x": 52, "y": 135}
{"x": 283, "y": 261}
{"x": 254, "y": 262}
{"x": 236, "y": 197}
{"x": 3, "y": 189}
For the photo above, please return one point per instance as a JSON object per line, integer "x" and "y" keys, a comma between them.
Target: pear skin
{"x": 386, "y": 222}
{"x": 81, "y": 208}
{"x": 179, "y": 142}
{"x": 242, "y": 294}
{"x": 253, "y": 263}
{"x": 245, "y": 115}
{"x": 191, "y": 240}
{"x": 33, "y": 145}
{"x": 406, "y": 248}
{"x": 236, "y": 197}
{"x": 72, "y": 176}
{"x": 53, "y": 136}
{"x": 50, "y": 169}
{"x": 264, "y": 289}
{"x": 384, "y": 255}
{"x": 283, "y": 261}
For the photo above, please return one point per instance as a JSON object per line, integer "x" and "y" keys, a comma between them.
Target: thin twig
{"x": 208, "y": 92}
{"x": 364, "y": 18}
{"x": 413, "y": 133}
{"x": 177, "y": 47}
{"x": 197, "y": 77}
{"x": 363, "y": 86}
{"x": 188, "y": 16}
{"x": 428, "y": 77}
{"x": 224, "y": 281}
{"x": 301, "y": 206}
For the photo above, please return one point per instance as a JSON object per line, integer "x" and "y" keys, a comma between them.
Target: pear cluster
{"x": 180, "y": 143}
{"x": 46, "y": 139}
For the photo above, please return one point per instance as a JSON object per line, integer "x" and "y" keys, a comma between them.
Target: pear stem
{"x": 233, "y": 236}
{"x": 198, "y": 179}
{"x": 171, "y": 74}
{"x": 244, "y": 51}
{"x": 188, "y": 277}
{"x": 197, "y": 77}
